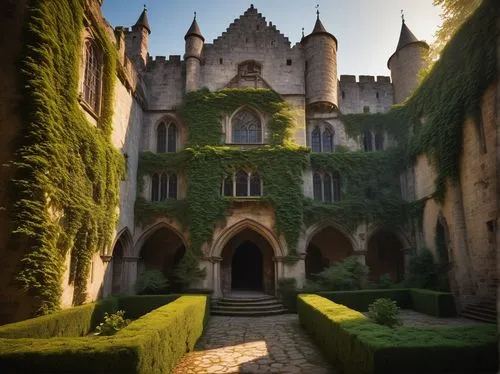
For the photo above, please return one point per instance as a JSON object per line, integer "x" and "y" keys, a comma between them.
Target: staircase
{"x": 484, "y": 311}
{"x": 247, "y": 306}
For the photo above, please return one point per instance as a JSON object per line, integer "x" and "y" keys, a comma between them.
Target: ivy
{"x": 66, "y": 187}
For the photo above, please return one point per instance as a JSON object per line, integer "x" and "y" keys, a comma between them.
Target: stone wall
{"x": 365, "y": 95}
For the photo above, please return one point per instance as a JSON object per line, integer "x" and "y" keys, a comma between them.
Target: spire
{"x": 406, "y": 37}
{"x": 194, "y": 30}
{"x": 143, "y": 20}
{"x": 318, "y": 28}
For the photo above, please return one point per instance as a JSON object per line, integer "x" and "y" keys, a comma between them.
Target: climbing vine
{"x": 67, "y": 184}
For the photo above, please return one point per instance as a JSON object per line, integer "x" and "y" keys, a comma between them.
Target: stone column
{"x": 296, "y": 270}
{"x": 129, "y": 275}
{"x": 407, "y": 253}
{"x": 278, "y": 272}
{"x": 360, "y": 256}
{"x": 216, "y": 278}
{"x": 108, "y": 275}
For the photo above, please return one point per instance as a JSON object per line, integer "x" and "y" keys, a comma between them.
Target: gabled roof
{"x": 143, "y": 21}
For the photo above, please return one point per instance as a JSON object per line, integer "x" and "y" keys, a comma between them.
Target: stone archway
{"x": 162, "y": 250}
{"x": 247, "y": 264}
{"x": 120, "y": 250}
{"x": 326, "y": 246}
{"x": 385, "y": 256}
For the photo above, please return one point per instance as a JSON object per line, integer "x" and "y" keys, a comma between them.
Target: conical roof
{"x": 194, "y": 30}
{"x": 319, "y": 29}
{"x": 406, "y": 37}
{"x": 143, "y": 20}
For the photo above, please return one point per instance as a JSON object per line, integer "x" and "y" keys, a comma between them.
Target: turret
{"x": 321, "y": 68}
{"x": 406, "y": 62}
{"x": 194, "y": 46}
{"x": 137, "y": 41}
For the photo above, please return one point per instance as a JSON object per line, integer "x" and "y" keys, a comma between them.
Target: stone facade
{"x": 253, "y": 53}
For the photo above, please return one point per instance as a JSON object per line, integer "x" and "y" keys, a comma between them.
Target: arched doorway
{"x": 326, "y": 247}
{"x": 247, "y": 264}
{"x": 117, "y": 268}
{"x": 385, "y": 256}
{"x": 163, "y": 250}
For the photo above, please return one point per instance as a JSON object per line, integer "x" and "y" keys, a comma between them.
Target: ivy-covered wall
{"x": 66, "y": 187}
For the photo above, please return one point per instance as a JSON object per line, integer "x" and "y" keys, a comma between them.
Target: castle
{"x": 248, "y": 249}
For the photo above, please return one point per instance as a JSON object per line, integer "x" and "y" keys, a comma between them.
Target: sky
{"x": 367, "y": 30}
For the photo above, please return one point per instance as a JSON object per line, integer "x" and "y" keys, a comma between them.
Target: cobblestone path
{"x": 274, "y": 344}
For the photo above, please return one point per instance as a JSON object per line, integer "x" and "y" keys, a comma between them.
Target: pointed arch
{"x": 146, "y": 234}
{"x": 247, "y": 223}
{"x": 246, "y": 126}
{"x": 327, "y": 139}
{"x": 155, "y": 187}
{"x": 316, "y": 140}
{"x": 161, "y": 138}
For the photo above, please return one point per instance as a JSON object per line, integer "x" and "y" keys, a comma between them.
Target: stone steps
{"x": 248, "y": 307}
{"x": 485, "y": 311}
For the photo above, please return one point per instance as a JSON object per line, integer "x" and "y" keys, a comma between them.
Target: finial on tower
{"x": 403, "y": 15}
{"x": 302, "y": 32}
{"x": 317, "y": 10}
{"x": 145, "y": 7}
{"x": 195, "y": 15}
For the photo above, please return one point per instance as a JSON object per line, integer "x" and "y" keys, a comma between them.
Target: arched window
{"x": 317, "y": 188}
{"x": 379, "y": 141}
{"x": 368, "y": 141}
{"x": 316, "y": 140}
{"x": 161, "y": 138}
{"x": 92, "y": 77}
{"x": 241, "y": 183}
{"x": 255, "y": 189}
{"x": 247, "y": 128}
{"x": 155, "y": 187}
{"x": 166, "y": 138}
{"x": 327, "y": 140}
{"x": 327, "y": 187}
{"x": 172, "y": 138}
{"x": 163, "y": 186}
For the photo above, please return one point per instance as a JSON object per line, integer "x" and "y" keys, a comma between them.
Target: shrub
{"x": 287, "y": 290}
{"x": 385, "y": 312}
{"x": 350, "y": 274}
{"x": 112, "y": 323}
{"x": 188, "y": 270}
{"x": 422, "y": 271}
{"x": 151, "y": 282}
{"x": 385, "y": 281}
{"x": 360, "y": 300}
{"x": 434, "y": 303}
{"x": 138, "y": 305}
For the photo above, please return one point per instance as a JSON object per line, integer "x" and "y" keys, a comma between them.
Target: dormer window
{"x": 91, "y": 90}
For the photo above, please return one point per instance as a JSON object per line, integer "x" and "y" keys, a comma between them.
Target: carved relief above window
{"x": 163, "y": 186}
{"x": 249, "y": 74}
{"x": 249, "y": 68}
{"x": 322, "y": 138}
{"x": 166, "y": 137}
{"x": 326, "y": 186}
{"x": 242, "y": 184}
{"x": 91, "y": 87}
{"x": 246, "y": 128}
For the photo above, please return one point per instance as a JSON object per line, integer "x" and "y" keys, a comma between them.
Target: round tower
{"x": 406, "y": 62}
{"x": 321, "y": 68}
{"x": 192, "y": 56}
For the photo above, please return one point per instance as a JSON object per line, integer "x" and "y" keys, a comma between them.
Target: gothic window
{"x": 368, "y": 141}
{"x": 379, "y": 141}
{"x": 316, "y": 140}
{"x": 322, "y": 139}
{"x": 163, "y": 186}
{"x": 155, "y": 188}
{"x": 242, "y": 184}
{"x": 255, "y": 184}
{"x": 327, "y": 140}
{"x": 166, "y": 138}
{"x": 317, "y": 187}
{"x": 326, "y": 186}
{"x": 247, "y": 128}
{"x": 92, "y": 77}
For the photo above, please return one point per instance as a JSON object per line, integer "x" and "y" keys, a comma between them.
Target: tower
{"x": 321, "y": 68}
{"x": 194, "y": 46}
{"x": 406, "y": 62}
{"x": 137, "y": 40}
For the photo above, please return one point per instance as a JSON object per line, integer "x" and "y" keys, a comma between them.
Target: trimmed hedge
{"x": 360, "y": 346}
{"x": 361, "y": 299}
{"x": 72, "y": 322}
{"x": 439, "y": 304}
{"x": 138, "y": 305}
{"x": 150, "y": 344}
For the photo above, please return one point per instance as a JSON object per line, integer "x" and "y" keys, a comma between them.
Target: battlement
{"x": 381, "y": 79}
{"x": 162, "y": 60}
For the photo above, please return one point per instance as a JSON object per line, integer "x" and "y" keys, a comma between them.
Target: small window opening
{"x": 366, "y": 109}
{"x": 377, "y": 95}
{"x": 289, "y": 62}
{"x": 343, "y": 95}
{"x": 258, "y": 27}
{"x": 221, "y": 61}
{"x": 490, "y": 225}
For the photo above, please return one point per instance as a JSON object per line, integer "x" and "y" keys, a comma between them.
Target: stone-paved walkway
{"x": 274, "y": 344}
